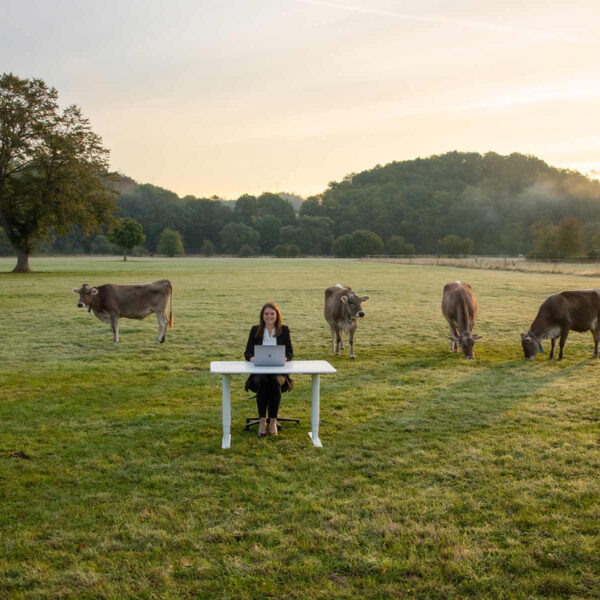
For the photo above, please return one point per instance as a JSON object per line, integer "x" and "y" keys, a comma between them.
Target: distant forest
{"x": 446, "y": 204}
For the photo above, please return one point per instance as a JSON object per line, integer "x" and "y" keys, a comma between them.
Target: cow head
{"x": 86, "y": 295}
{"x": 531, "y": 345}
{"x": 466, "y": 340}
{"x": 353, "y": 304}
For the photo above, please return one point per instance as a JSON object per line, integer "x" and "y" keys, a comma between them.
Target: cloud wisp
{"x": 475, "y": 25}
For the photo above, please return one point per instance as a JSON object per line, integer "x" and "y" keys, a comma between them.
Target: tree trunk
{"x": 124, "y": 256}
{"x": 22, "y": 263}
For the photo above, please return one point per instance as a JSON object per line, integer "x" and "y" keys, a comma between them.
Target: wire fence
{"x": 574, "y": 266}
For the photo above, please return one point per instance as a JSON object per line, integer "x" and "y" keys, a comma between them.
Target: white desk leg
{"x": 314, "y": 413}
{"x": 226, "y": 411}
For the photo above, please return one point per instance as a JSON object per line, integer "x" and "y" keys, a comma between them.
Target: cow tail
{"x": 171, "y": 310}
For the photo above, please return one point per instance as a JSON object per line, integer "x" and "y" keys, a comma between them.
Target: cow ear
{"x": 344, "y": 299}
{"x": 477, "y": 337}
{"x": 523, "y": 336}
{"x": 453, "y": 338}
{"x": 75, "y": 291}
{"x": 93, "y": 291}
{"x": 365, "y": 298}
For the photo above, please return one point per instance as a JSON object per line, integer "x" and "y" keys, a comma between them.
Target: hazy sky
{"x": 224, "y": 97}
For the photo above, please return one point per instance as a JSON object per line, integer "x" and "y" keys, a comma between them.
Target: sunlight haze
{"x": 224, "y": 98}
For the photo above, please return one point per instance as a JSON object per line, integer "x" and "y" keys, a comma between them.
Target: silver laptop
{"x": 269, "y": 356}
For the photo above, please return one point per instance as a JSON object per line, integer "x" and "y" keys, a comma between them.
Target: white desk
{"x": 293, "y": 367}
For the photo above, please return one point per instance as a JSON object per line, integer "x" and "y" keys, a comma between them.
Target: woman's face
{"x": 269, "y": 316}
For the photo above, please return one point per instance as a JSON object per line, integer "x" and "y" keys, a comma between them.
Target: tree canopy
{"x": 170, "y": 243}
{"x": 492, "y": 199}
{"x": 360, "y": 243}
{"x": 53, "y": 167}
{"x": 126, "y": 234}
{"x": 235, "y": 235}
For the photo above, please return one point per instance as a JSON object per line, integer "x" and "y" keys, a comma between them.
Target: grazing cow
{"x": 577, "y": 311}
{"x": 109, "y": 302}
{"x": 342, "y": 311}
{"x": 459, "y": 307}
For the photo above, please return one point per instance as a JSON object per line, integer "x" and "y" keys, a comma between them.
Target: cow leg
{"x": 552, "y": 344}
{"x": 338, "y": 340}
{"x": 114, "y": 321}
{"x": 332, "y": 328}
{"x": 351, "y": 331}
{"x": 454, "y": 345}
{"x": 162, "y": 326}
{"x": 561, "y": 345}
{"x": 596, "y": 335}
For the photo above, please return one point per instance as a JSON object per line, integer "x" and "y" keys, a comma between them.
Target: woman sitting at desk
{"x": 268, "y": 388}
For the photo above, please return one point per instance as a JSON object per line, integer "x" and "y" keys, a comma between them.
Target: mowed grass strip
{"x": 439, "y": 477}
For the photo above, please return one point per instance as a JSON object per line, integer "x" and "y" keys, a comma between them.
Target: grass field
{"x": 439, "y": 477}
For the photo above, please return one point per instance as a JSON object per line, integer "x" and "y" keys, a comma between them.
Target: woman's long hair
{"x": 261, "y": 326}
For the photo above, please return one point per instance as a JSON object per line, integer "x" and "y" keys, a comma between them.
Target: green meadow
{"x": 439, "y": 477}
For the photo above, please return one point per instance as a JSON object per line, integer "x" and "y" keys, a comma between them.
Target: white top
{"x": 242, "y": 367}
{"x": 269, "y": 340}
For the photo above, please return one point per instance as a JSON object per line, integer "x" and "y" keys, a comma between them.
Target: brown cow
{"x": 459, "y": 307}
{"x": 109, "y": 302}
{"x": 577, "y": 311}
{"x": 342, "y": 311}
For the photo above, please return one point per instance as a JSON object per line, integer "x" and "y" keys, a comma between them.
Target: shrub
{"x": 397, "y": 245}
{"x": 454, "y": 245}
{"x": 293, "y": 250}
{"x": 170, "y": 243}
{"x": 139, "y": 251}
{"x": 361, "y": 242}
{"x": 208, "y": 248}
{"x": 286, "y": 250}
{"x": 102, "y": 245}
{"x": 342, "y": 246}
{"x": 246, "y": 250}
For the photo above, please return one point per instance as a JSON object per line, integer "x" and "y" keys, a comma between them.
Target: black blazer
{"x": 282, "y": 340}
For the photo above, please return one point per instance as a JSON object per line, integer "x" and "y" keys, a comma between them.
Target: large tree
{"x": 273, "y": 204}
{"x": 246, "y": 209}
{"x": 53, "y": 167}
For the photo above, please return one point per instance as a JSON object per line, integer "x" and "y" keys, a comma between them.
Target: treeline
{"x": 456, "y": 203}
{"x": 512, "y": 204}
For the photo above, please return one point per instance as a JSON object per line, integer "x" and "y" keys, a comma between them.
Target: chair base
{"x": 251, "y": 421}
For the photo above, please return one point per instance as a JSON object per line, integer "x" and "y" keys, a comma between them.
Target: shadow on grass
{"x": 433, "y": 410}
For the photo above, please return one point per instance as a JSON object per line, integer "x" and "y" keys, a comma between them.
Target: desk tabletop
{"x": 242, "y": 367}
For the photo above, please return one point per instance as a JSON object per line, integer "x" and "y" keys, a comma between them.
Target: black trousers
{"x": 268, "y": 395}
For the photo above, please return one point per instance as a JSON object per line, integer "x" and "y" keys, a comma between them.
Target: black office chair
{"x": 251, "y": 421}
